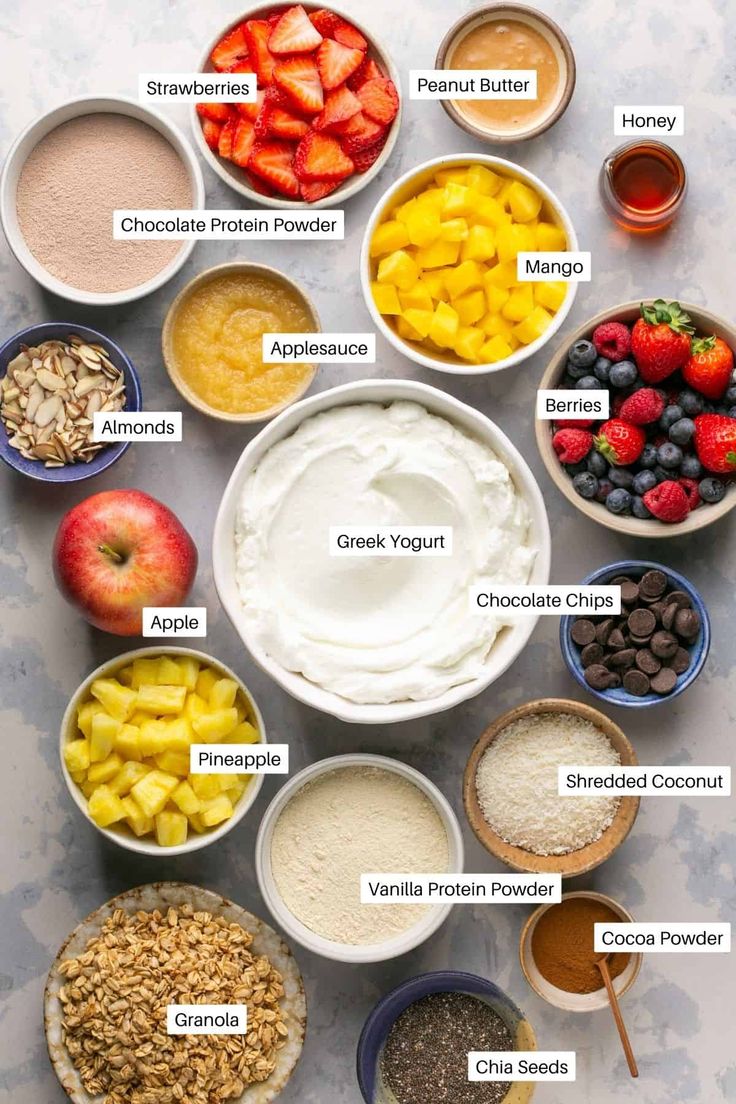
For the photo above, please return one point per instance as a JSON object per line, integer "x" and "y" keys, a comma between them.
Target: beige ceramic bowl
{"x": 244, "y": 268}
{"x": 575, "y": 862}
{"x": 161, "y": 896}
{"x": 705, "y": 323}
{"x": 552, "y": 34}
{"x": 560, "y": 998}
{"x": 121, "y": 835}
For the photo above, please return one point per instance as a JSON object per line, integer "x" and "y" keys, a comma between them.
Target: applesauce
{"x": 215, "y": 342}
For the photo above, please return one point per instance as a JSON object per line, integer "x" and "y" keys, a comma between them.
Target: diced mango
{"x": 136, "y": 819}
{"x": 211, "y": 727}
{"x": 417, "y": 298}
{"x": 76, "y": 755}
{"x": 388, "y": 237}
{"x": 455, "y": 229}
{"x": 245, "y": 733}
{"x": 419, "y": 320}
{"x": 445, "y": 324}
{"x": 495, "y": 349}
{"x": 105, "y": 770}
{"x": 483, "y": 180}
{"x": 465, "y": 277}
{"x": 423, "y": 226}
{"x": 480, "y": 244}
{"x": 186, "y": 799}
{"x": 153, "y": 791}
{"x": 173, "y": 762}
{"x": 495, "y": 296}
{"x": 459, "y": 201}
{"x": 450, "y": 176}
{"x": 438, "y": 254}
{"x": 407, "y": 331}
{"x": 399, "y": 268}
{"x": 434, "y": 282}
{"x": 524, "y": 202}
{"x": 493, "y": 324}
{"x": 432, "y": 199}
{"x": 104, "y": 731}
{"x": 469, "y": 342}
{"x": 158, "y": 699}
{"x": 490, "y": 212}
{"x": 171, "y": 829}
{"x": 386, "y": 298}
{"x": 470, "y": 307}
{"x": 402, "y": 212}
{"x": 216, "y": 810}
{"x": 519, "y": 304}
{"x": 105, "y": 807}
{"x": 550, "y": 238}
{"x": 533, "y": 326}
{"x": 512, "y": 240}
{"x": 118, "y": 700}
{"x": 550, "y": 294}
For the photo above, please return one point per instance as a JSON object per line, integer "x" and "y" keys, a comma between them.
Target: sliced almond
{"x": 48, "y": 411}
{"x": 50, "y": 381}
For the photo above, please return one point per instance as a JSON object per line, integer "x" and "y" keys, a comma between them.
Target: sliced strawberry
{"x": 363, "y": 159}
{"x": 251, "y": 110}
{"x": 336, "y": 63}
{"x": 285, "y": 125}
{"x": 230, "y": 50}
{"x": 380, "y": 99}
{"x": 211, "y": 131}
{"x": 294, "y": 33}
{"x": 312, "y": 190}
{"x": 243, "y": 142}
{"x": 242, "y": 66}
{"x": 350, "y": 36}
{"x": 225, "y": 144}
{"x": 258, "y": 185}
{"x": 360, "y": 133}
{"x": 261, "y": 121}
{"x": 274, "y": 163}
{"x": 257, "y": 33}
{"x": 299, "y": 78}
{"x": 219, "y": 113}
{"x": 340, "y": 106}
{"x": 325, "y": 21}
{"x": 319, "y": 157}
{"x": 368, "y": 71}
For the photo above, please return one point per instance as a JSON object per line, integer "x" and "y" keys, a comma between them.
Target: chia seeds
{"x": 426, "y": 1054}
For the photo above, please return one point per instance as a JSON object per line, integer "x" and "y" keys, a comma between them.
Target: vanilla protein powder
{"x": 347, "y": 822}
{"x": 75, "y": 178}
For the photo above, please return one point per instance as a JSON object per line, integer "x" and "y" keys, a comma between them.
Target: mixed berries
{"x": 670, "y": 443}
{"x": 324, "y": 106}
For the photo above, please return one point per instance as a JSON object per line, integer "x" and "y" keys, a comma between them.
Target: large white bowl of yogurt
{"x": 378, "y": 639}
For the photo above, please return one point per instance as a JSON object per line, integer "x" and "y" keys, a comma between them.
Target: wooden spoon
{"x": 602, "y": 964}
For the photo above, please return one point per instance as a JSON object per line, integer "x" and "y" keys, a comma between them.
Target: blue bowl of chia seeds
{"x": 375, "y": 1059}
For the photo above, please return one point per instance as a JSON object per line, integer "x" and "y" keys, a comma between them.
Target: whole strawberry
{"x": 661, "y": 340}
{"x": 620, "y": 442}
{"x": 710, "y": 366}
{"x": 572, "y": 445}
{"x": 715, "y": 442}
{"x": 668, "y": 502}
{"x": 641, "y": 408}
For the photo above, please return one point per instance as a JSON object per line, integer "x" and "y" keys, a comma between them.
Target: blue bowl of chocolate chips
{"x": 649, "y": 653}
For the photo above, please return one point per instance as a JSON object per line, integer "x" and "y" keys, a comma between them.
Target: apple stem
{"x": 108, "y": 551}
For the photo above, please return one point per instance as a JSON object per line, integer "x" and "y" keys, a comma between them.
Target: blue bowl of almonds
{"x": 653, "y": 650}
{"x": 53, "y": 377}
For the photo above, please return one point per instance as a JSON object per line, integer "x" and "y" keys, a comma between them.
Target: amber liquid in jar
{"x": 642, "y": 185}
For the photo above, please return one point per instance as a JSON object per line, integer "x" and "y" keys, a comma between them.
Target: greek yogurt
{"x": 378, "y": 629}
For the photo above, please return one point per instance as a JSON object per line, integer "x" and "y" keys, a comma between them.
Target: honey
{"x": 643, "y": 185}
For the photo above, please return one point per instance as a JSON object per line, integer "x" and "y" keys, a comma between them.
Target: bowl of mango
{"x": 125, "y": 749}
{"x": 439, "y": 264}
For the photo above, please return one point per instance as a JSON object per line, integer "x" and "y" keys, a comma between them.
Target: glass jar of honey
{"x": 642, "y": 185}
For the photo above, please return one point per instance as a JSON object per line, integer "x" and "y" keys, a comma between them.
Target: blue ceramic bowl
{"x": 698, "y": 650}
{"x": 389, "y": 1008}
{"x": 70, "y": 473}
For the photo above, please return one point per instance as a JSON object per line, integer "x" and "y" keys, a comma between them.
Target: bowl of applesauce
{"x": 213, "y": 342}
{"x": 506, "y": 37}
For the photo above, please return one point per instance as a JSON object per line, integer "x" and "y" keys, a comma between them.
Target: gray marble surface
{"x": 678, "y": 864}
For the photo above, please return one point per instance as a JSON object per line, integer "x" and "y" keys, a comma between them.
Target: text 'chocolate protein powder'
{"x": 74, "y": 179}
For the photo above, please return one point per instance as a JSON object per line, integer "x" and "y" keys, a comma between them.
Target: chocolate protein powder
{"x": 72, "y": 182}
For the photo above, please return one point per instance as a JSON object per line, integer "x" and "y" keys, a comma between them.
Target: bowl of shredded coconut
{"x": 511, "y": 794}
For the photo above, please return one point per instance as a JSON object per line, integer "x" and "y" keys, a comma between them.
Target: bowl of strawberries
{"x": 327, "y": 112}
{"x": 663, "y": 462}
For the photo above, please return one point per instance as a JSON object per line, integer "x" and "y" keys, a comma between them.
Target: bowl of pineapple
{"x": 439, "y": 264}
{"x": 125, "y": 741}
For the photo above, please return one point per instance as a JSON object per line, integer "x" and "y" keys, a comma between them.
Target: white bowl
{"x": 233, "y": 175}
{"x": 26, "y": 142}
{"x": 509, "y": 643}
{"x": 328, "y": 948}
{"x": 407, "y": 186}
{"x": 121, "y": 835}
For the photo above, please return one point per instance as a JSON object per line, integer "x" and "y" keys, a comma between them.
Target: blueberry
{"x": 731, "y": 412}
{"x": 691, "y": 467}
{"x": 711, "y": 489}
{"x": 576, "y": 469}
{"x": 681, "y": 431}
{"x": 730, "y": 395}
{"x": 662, "y": 474}
{"x": 669, "y": 455}
{"x": 670, "y": 415}
{"x": 709, "y": 407}
{"x": 619, "y": 501}
{"x": 577, "y": 371}
{"x": 602, "y": 369}
{"x": 648, "y": 456}
{"x": 623, "y": 374}
{"x": 621, "y": 477}
{"x": 723, "y": 410}
{"x": 588, "y": 383}
{"x": 644, "y": 482}
{"x": 638, "y": 509}
{"x": 582, "y": 354}
{"x": 567, "y": 382}
{"x": 597, "y": 464}
{"x": 604, "y": 489}
{"x": 585, "y": 484}
{"x": 691, "y": 403}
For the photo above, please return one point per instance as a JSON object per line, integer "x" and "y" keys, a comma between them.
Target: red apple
{"x": 119, "y": 551}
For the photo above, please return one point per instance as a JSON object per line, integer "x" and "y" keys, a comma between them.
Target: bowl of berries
{"x": 327, "y": 112}
{"x": 662, "y": 463}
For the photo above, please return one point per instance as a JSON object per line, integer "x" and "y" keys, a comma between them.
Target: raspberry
{"x": 574, "y": 423}
{"x": 690, "y": 487}
{"x": 641, "y": 408}
{"x": 668, "y": 502}
{"x": 612, "y": 340}
{"x": 572, "y": 445}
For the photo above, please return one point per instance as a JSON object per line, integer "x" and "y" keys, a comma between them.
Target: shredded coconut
{"x": 516, "y": 783}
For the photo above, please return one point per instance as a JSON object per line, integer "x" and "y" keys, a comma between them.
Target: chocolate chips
{"x": 646, "y": 649}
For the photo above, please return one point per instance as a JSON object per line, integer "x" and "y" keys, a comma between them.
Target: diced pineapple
{"x": 127, "y": 742}
{"x": 194, "y": 706}
{"x": 495, "y": 349}
{"x": 105, "y": 729}
{"x": 125, "y": 675}
{"x": 388, "y": 237}
{"x": 438, "y": 255}
{"x": 445, "y": 325}
{"x": 207, "y": 786}
{"x": 450, "y": 176}
{"x": 144, "y": 670}
{"x": 238, "y": 787}
{"x": 130, "y": 773}
{"x": 434, "y": 282}
{"x": 173, "y": 762}
{"x": 179, "y": 735}
{"x": 168, "y": 672}
{"x": 483, "y": 180}
{"x": 524, "y": 202}
{"x": 76, "y": 755}
{"x": 495, "y": 296}
{"x": 398, "y": 268}
{"x": 107, "y": 769}
{"x": 105, "y": 807}
{"x": 87, "y": 788}
{"x": 189, "y": 668}
{"x": 211, "y": 727}
{"x": 470, "y": 307}
{"x": 550, "y": 294}
{"x": 118, "y": 700}
{"x": 417, "y": 298}
{"x": 423, "y": 225}
{"x": 171, "y": 829}
{"x": 465, "y": 277}
{"x": 245, "y": 733}
{"x": 195, "y": 822}
{"x": 216, "y": 810}
{"x": 480, "y": 244}
{"x": 158, "y": 699}
{"x": 205, "y": 681}
{"x": 386, "y": 298}
{"x": 455, "y": 229}
{"x": 186, "y": 799}
{"x": 469, "y": 342}
{"x": 136, "y": 819}
{"x": 223, "y": 694}
{"x": 78, "y": 776}
{"x": 490, "y": 212}
{"x": 501, "y": 275}
{"x": 550, "y": 238}
{"x": 85, "y": 713}
{"x": 152, "y": 737}
{"x": 152, "y": 792}
{"x": 520, "y": 304}
{"x": 533, "y": 326}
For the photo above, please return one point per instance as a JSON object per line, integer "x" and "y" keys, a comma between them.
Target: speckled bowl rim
{"x": 162, "y": 895}
{"x": 621, "y": 697}
{"x": 490, "y": 13}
